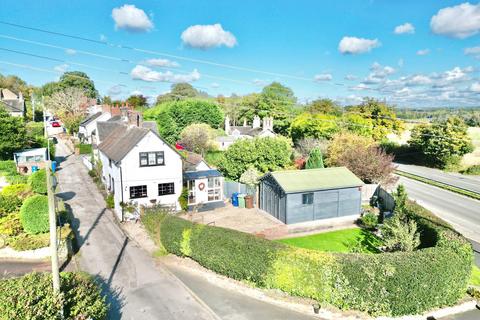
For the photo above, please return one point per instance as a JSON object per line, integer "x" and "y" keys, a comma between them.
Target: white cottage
{"x": 257, "y": 129}
{"x": 140, "y": 168}
{"x": 88, "y": 127}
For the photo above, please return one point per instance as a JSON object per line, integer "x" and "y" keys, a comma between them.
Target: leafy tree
{"x": 198, "y": 138}
{"x": 250, "y": 178}
{"x": 383, "y": 117}
{"x": 13, "y": 135}
{"x": 16, "y": 85}
{"x": 263, "y": 154}
{"x": 400, "y": 235}
{"x": 80, "y": 80}
{"x": 178, "y": 92}
{"x": 306, "y": 145}
{"x": 358, "y": 124}
{"x": 325, "y": 106}
{"x": 107, "y": 100}
{"x": 172, "y": 117}
{"x": 401, "y": 197}
{"x": 442, "y": 143}
{"x": 315, "y": 159}
{"x": 316, "y": 126}
{"x": 68, "y": 105}
{"x": 344, "y": 140}
{"x": 137, "y": 101}
{"x": 277, "y": 101}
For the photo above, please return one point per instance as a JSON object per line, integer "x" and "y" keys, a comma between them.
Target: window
{"x": 110, "y": 163}
{"x": 191, "y": 192}
{"x": 307, "y": 198}
{"x": 166, "y": 188}
{"x": 214, "y": 189}
{"x": 149, "y": 159}
{"x": 138, "y": 192}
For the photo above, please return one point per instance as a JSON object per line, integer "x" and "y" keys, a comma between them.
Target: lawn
{"x": 347, "y": 240}
{"x": 474, "y": 157}
{"x": 475, "y": 278}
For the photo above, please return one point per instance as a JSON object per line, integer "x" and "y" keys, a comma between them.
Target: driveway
{"x": 136, "y": 287}
{"x": 471, "y": 183}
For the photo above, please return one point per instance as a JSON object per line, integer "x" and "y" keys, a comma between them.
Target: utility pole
{"x": 53, "y": 229}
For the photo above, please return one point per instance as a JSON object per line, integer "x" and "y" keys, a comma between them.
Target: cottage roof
{"x": 11, "y": 102}
{"x": 152, "y": 125}
{"x": 121, "y": 140}
{"x": 247, "y": 130}
{"x": 201, "y": 174}
{"x": 90, "y": 118}
{"x": 191, "y": 160}
{"x": 315, "y": 179}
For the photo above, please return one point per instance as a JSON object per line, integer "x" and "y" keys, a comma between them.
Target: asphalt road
{"x": 16, "y": 268}
{"x": 471, "y": 183}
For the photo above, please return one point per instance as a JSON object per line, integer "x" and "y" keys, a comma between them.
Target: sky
{"x": 409, "y": 53}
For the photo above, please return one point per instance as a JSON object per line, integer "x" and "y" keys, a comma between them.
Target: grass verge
{"x": 441, "y": 185}
{"x": 475, "y": 278}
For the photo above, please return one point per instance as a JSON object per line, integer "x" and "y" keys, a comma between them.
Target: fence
{"x": 87, "y": 163}
{"x": 230, "y": 187}
{"x": 386, "y": 200}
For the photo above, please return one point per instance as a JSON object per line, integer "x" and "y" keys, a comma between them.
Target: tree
{"x": 369, "y": 162}
{"x": 80, "y": 80}
{"x": 358, "y": 124}
{"x": 178, "y": 92}
{"x": 137, "y": 101}
{"x": 277, "y": 101}
{"x": 442, "y": 143}
{"x": 68, "y": 105}
{"x": 315, "y": 159}
{"x": 400, "y": 235}
{"x": 250, "y": 178}
{"x": 325, "y": 106}
{"x": 13, "y": 135}
{"x": 107, "y": 100}
{"x": 16, "y": 85}
{"x": 172, "y": 117}
{"x": 316, "y": 126}
{"x": 263, "y": 154}
{"x": 344, "y": 140}
{"x": 401, "y": 197}
{"x": 306, "y": 145}
{"x": 198, "y": 138}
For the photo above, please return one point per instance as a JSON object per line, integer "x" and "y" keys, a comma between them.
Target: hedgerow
{"x": 38, "y": 181}
{"x": 34, "y": 214}
{"x": 391, "y": 284}
{"x": 31, "y": 297}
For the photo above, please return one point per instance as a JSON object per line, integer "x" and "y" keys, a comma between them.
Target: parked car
{"x": 55, "y": 124}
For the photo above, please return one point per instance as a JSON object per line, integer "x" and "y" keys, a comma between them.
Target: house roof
{"x": 247, "y": 131}
{"x": 121, "y": 140}
{"x": 152, "y": 125}
{"x": 292, "y": 181}
{"x": 11, "y": 102}
{"x": 192, "y": 175}
{"x": 191, "y": 160}
{"x": 104, "y": 128}
{"x": 7, "y": 94}
{"x": 90, "y": 118}
{"x": 30, "y": 152}
{"x": 116, "y": 118}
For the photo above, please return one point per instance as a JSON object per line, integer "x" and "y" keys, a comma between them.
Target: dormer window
{"x": 150, "y": 159}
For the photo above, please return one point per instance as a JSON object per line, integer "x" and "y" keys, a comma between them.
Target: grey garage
{"x": 305, "y": 195}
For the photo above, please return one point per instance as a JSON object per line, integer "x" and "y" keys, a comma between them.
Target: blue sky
{"x": 411, "y": 53}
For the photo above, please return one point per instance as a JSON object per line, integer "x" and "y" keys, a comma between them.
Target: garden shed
{"x": 305, "y": 195}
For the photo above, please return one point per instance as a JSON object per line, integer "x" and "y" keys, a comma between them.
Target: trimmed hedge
{"x": 31, "y": 297}
{"x": 8, "y": 169}
{"x": 391, "y": 284}
{"x": 38, "y": 181}
{"x": 34, "y": 214}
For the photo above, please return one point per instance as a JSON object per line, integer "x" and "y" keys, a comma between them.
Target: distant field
{"x": 474, "y": 157}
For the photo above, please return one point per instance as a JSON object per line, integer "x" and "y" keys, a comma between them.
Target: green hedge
{"x": 392, "y": 284}
{"x": 31, "y": 297}
{"x": 84, "y": 148}
{"x": 8, "y": 169}
{"x": 34, "y": 214}
{"x": 38, "y": 181}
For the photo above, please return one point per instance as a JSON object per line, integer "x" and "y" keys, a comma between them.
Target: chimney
{"x": 124, "y": 112}
{"x": 268, "y": 123}
{"x": 20, "y": 95}
{"x": 256, "y": 122}
{"x": 227, "y": 124}
{"x": 244, "y": 122}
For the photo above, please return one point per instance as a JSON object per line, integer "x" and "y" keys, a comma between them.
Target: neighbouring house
{"x": 139, "y": 168}
{"x": 257, "y": 129}
{"x": 88, "y": 127}
{"x": 30, "y": 160}
{"x": 13, "y": 103}
{"x": 295, "y": 196}
{"x": 204, "y": 184}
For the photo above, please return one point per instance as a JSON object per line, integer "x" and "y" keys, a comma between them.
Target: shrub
{"x": 10, "y": 225}
{"x": 38, "y": 181}
{"x": 12, "y": 196}
{"x": 31, "y": 297}
{"x": 34, "y": 214}
{"x": 183, "y": 199}
{"x": 8, "y": 169}
{"x": 315, "y": 159}
{"x": 84, "y": 148}
{"x": 391, "y": 284}
{"x": 369, "y": 220}
{"x": 110, "y": 201}
{"x": 473, "y": 170}
{"x": 400, "y": 235}
{"x": 25, "y": 241}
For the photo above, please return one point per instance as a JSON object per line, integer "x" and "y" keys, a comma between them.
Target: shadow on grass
{"x": 366, "y": 242}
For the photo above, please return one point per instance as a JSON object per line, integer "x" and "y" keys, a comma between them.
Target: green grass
{"x": 475, "y": 278}
{"x": 347, "y": 240}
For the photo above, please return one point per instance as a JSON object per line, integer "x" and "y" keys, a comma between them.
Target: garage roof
{"x": 316, "y": 179}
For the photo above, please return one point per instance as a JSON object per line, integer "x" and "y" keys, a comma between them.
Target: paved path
{"x": 471, "y": 183}
{"x": 16, "y": 268}
{"x": 136, "y": 287}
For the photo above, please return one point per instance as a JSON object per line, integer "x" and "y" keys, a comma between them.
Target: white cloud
{"x": 260, "y": 82}
{"x": 115, "y": 90}
{"x": 457, "y": 74}
{"x": 475, "y": 87}
{"x": 460, "y": 21}
{"x": 208, "y": 36}
{"x": 136, "y": 93}
{"x": 404, "y": 28}
{"x": 323, "y": 77}
{"x": 131, "y": 18}
{"x": 140, "y": 72}
{"x": 359, "y": 87}
{"x": 70, "y": 52}
{"x": 162, "y": 63}
{"x": 473, "y": 51}
{"x": 61, "y": 68}
{"x": 418, "y": 80}
{"x": 215, "y": 85}
{"x": 423, "y": 52}
{"x": 353, "y": 45}
{"x": 378, "y": 73}
{"x": 351, "y": 77}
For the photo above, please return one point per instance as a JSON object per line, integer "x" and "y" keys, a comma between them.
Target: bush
{"x": 110, "y": 201}
{"x": 12, "y": 196}
{"x": 25, "y": 241}
{"x": 31, "y": 297}
{"x": 400, "y": 235}
{"x": 34, "y": 214}
{"x": 38, "y": 181}
{"x": 183, "y": 199}
{"x": 369, "y": 221}
{"x": 8, "y": 169}
{"x": 473, "y": 170}
{"x": 391, "y": 284}
{"x": 84, "y": 148}
{"x": 10, "y": 225}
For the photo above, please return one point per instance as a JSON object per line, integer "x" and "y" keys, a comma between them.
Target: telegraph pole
{"x": 53, "y": 229}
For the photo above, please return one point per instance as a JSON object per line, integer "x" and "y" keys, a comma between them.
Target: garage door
{"x": 326, "y": 204}
{"x": 349, "y": 202}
